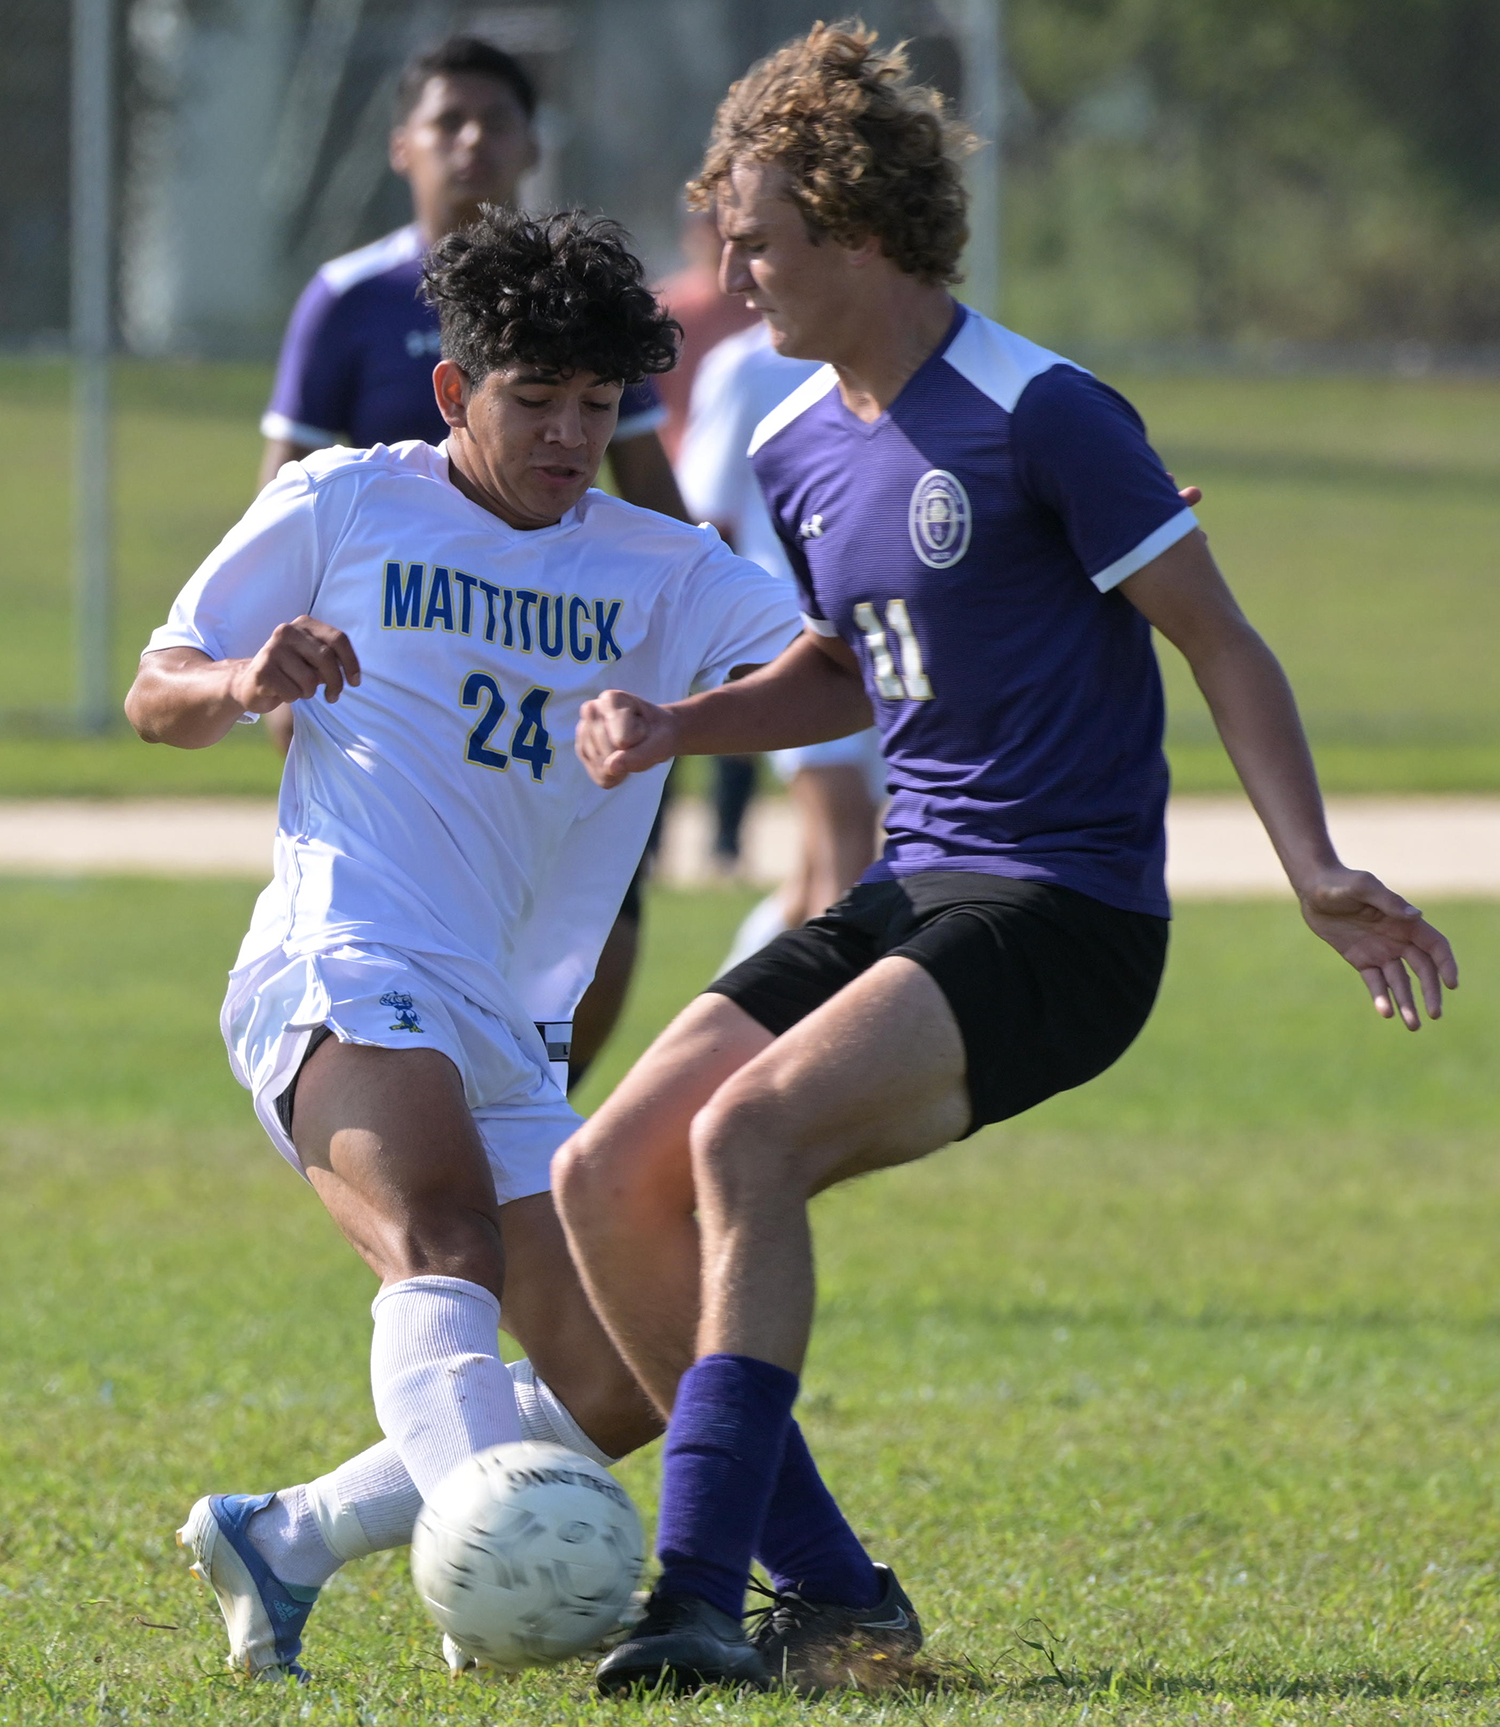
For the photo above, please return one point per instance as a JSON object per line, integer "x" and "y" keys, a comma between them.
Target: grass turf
{"x": 1356, "y": 517}
{"x": 1175, "y": 1401}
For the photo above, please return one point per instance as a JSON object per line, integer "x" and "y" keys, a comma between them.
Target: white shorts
{"x": 375, "y": 996}
{"x": 862, "y": 751}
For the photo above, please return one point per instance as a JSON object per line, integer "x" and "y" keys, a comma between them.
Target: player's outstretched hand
{"x": 299, "y": 657}
{"x": 620, "y": 734}
{"x": 1385, "y": 940}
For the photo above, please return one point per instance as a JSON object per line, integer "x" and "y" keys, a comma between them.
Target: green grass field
{"x": 1358, "y": 518}
{"x": 1177, "y": 1401}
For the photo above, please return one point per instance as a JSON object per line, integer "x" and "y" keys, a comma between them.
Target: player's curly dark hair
{"x": 866, "y": 151}
{"x": 563, "y": 293}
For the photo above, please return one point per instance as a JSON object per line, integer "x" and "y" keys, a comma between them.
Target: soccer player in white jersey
{"x": 443, "y": 861}
{"x": 983, "y": 540}
{"x": 356, "y": 362}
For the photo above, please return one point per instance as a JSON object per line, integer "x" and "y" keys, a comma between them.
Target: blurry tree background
{"x": 1198, "y": 176}
{"x": 1255, "y": 171}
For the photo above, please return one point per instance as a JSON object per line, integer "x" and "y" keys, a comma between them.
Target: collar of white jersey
{"x": 565, "y": 524}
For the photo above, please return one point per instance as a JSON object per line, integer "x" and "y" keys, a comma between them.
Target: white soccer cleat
{"x": 461, "y": 1661}
{"x": 263, "y": 1616}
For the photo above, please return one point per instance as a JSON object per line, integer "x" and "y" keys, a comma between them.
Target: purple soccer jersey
{"x": 357, "y": 360}
{"x": 967, "y": 545}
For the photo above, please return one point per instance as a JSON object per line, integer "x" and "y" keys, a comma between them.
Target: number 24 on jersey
{"x": 530, "y": 742}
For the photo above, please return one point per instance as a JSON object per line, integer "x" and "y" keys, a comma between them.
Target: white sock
{"x": 371, "y": 1503}
{"x": 365, "y": 1505}
{"x": 287, "y": 1536}
{"x": 441, "y": 1389}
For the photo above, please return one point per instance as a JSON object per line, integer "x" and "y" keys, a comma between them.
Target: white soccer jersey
{"x": 438, "y": 807}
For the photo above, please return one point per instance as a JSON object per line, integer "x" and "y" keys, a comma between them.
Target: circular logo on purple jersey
{"x": 939, "y": 519}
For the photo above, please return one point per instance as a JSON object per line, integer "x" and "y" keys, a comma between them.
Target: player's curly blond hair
{"x": 866, "y": 151}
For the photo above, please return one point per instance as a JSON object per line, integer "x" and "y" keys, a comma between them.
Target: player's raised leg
{"x": 390, "y": 1145}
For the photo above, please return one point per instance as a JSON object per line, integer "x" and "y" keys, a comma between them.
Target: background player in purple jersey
{"x": 356, "y": 365}
{"x": 984, "y": 540}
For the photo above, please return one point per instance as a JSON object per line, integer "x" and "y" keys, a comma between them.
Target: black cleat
{"x": 817, "y": 1646}
{"x": 681, "y": 1644}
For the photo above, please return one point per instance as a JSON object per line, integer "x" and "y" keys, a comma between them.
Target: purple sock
{"x": 724, "y": 1445}
{"x": 805, "y": 1543}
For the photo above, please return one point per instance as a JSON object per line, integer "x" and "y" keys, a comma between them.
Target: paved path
{"x": 1422, "y": 846}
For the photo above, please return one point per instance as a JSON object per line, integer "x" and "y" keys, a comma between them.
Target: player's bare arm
{"x": 1383, "y": 937}
{"x": 808, "y": 694}
{"x": 180, "y": 696}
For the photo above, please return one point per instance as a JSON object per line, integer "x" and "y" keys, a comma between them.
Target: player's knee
{"x": 577, "y": 1178}
{"x": 601, "y": 1179}
{"x": 442, "y": 1240}
{"x": 747, "y": 1146}
{"x": 591, "y": 1189}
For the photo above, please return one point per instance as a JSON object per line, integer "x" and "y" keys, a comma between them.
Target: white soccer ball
{"x": 528, "y": 1553}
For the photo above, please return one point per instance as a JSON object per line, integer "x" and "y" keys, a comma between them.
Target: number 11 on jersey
{"x": 911, "y": 683}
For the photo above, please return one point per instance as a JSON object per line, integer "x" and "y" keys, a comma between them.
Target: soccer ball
{"x": 526, "y": 1554}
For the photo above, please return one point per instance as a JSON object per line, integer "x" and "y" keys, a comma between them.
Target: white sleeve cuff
{"x": 637, "y": 425}
{"x": 1168, "y": 534}
{"x": 819, "y": 626}
{"x": 274, "y": 425}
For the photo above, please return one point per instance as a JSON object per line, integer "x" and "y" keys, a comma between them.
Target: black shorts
{"x": 1048, "y": 986}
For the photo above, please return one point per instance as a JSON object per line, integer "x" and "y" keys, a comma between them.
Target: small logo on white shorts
{"x": 407, "y": 1017}
{"x": 939, "y": 519}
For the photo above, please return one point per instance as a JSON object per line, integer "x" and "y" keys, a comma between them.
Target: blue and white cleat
{"x": 263, "y": 1615}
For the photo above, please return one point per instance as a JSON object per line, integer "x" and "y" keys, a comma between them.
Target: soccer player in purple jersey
{"x": 357, "y": 361}
{"x": 984, "y": 540}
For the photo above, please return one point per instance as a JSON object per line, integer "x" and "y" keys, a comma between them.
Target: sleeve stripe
{"x": 1168, "y": 534}
{"x": 274, "y": 425}
{"x": 819, "y": 626}
{"x": 637, "y": 425}
{"x": 810, "y": 390}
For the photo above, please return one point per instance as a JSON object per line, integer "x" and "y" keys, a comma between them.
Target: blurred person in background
{"x": 835, "y": 787}
{"x": 693, "y": 297}
{"x": 357, "y": 360}
{"x": 707, "y": 314}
